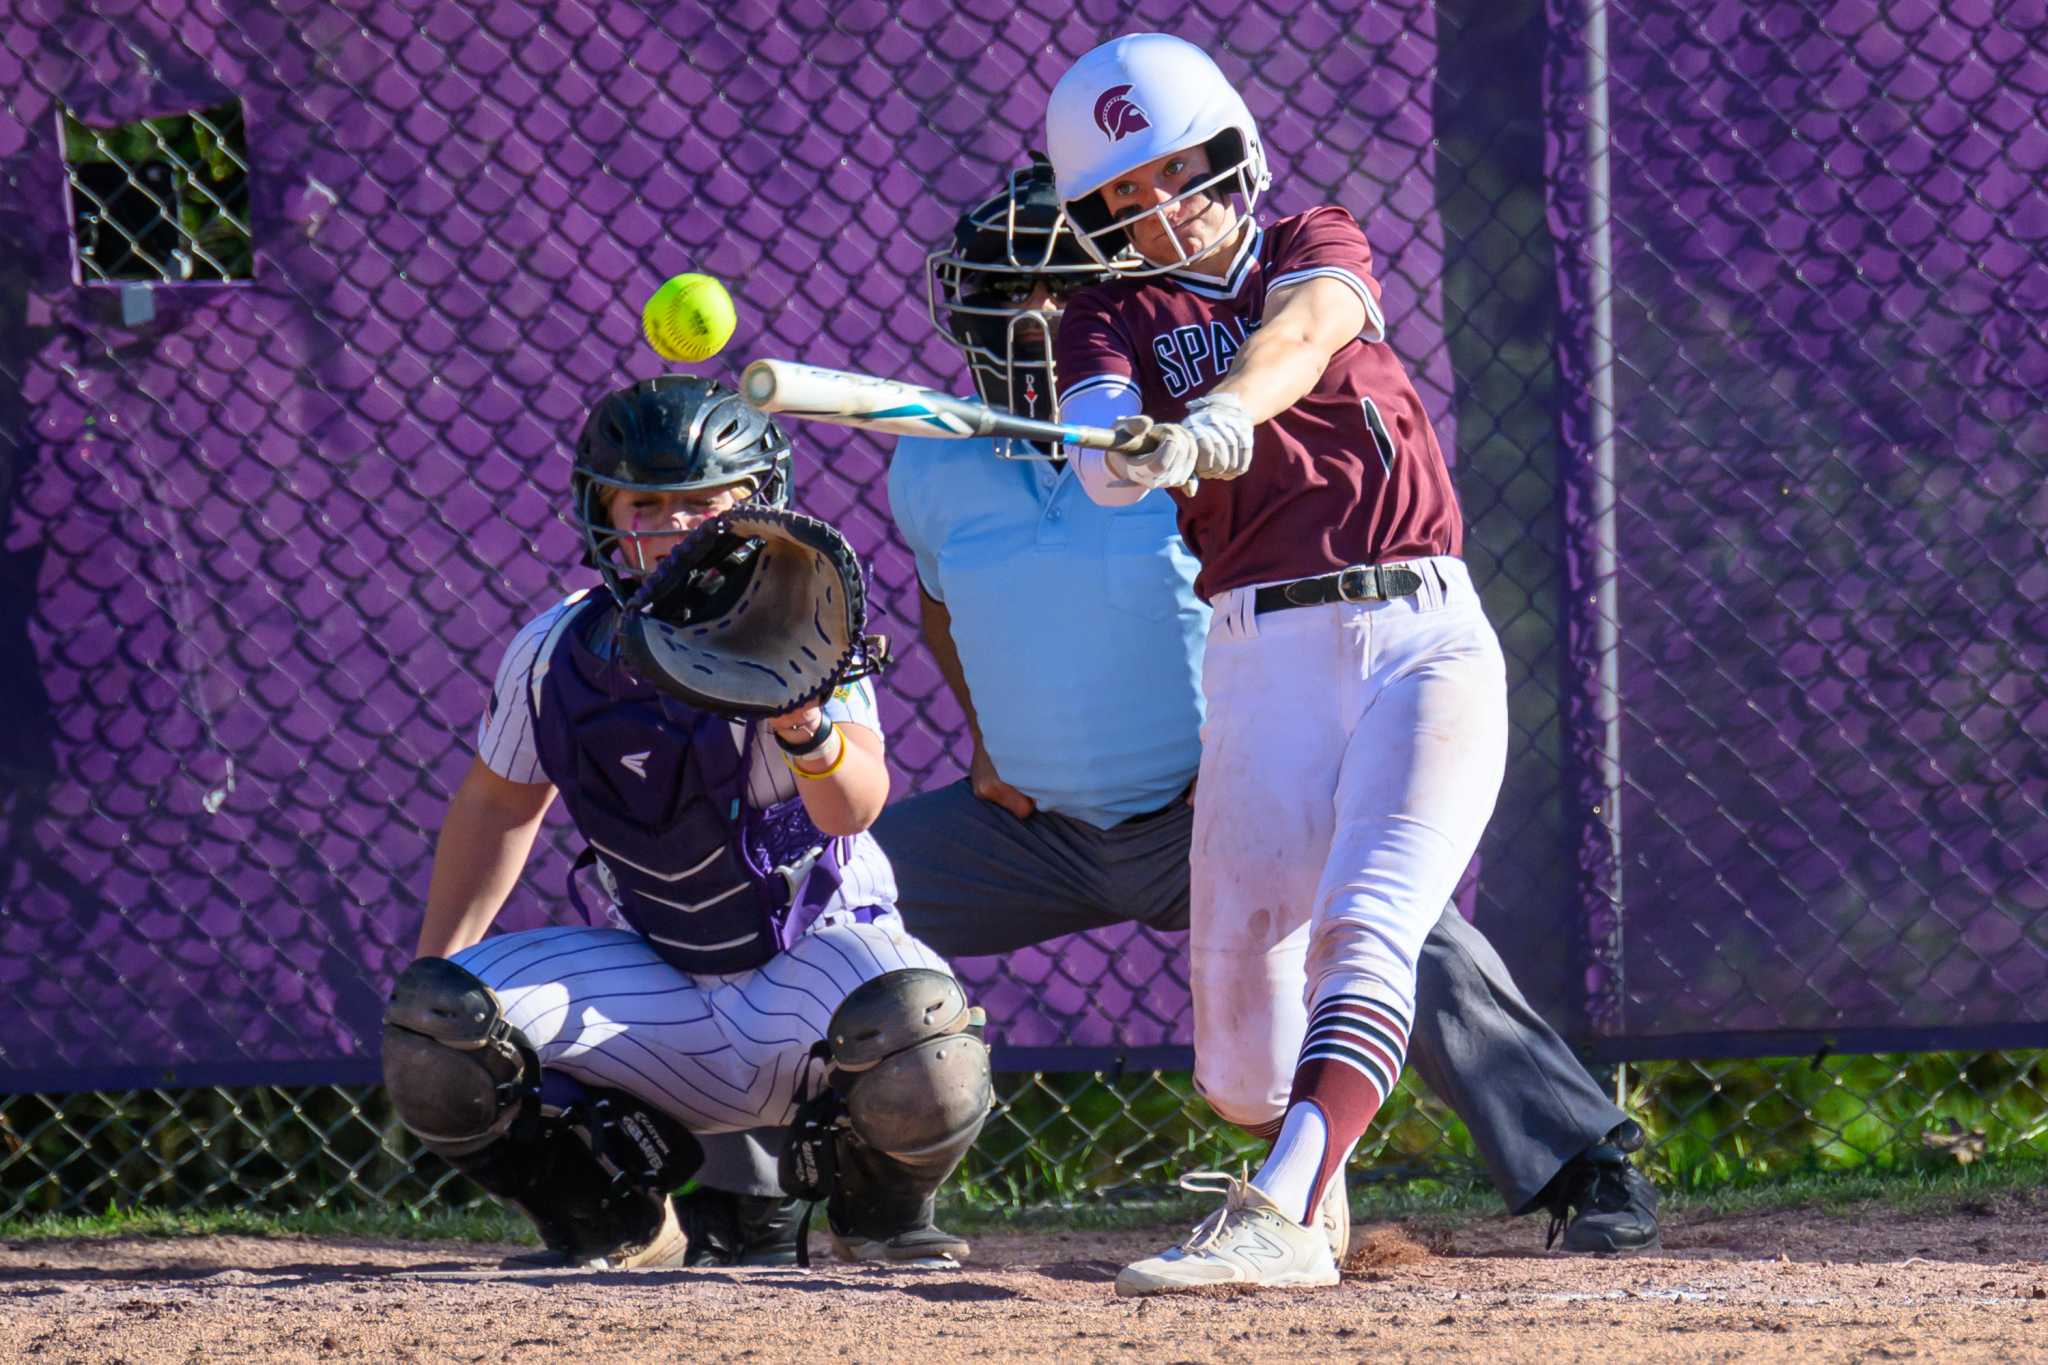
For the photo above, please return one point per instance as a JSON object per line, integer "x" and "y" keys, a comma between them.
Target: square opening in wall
{"x": 164, "y": 199}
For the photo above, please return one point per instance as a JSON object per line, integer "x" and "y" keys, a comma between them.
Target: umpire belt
{"x": 1360, "y": 583}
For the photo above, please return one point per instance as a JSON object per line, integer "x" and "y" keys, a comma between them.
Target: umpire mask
{"x": 981, "y": 287}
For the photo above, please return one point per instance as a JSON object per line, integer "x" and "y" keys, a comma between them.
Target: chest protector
{"x": 658, "y": 790}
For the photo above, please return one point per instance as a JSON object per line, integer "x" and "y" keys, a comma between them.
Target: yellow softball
{"x": 689, "y": 318}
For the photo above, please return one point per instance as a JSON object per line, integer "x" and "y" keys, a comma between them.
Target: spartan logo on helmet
{"x": 1118, "y": 115}
{"x": 673, "y": 434}
{"x": 997, "y": 290}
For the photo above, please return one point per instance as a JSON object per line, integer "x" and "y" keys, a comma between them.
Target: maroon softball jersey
{"x": 1351, "y": 474}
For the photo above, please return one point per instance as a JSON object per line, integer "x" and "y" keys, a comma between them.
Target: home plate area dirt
{"x": 1963, "y": 1282}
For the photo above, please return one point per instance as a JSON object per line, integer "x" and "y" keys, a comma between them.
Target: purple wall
{"x": 1829, "y": 231}
{"x": 258, "y": 555}
{"x": 261, "y": 553}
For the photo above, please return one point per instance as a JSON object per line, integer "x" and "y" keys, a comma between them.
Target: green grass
{"x": 1733, "y": 1123}
{"x": 1927, "y": 1189}
{"x": 1372, "y": 1203}
{"x": 1842, "y": 1194}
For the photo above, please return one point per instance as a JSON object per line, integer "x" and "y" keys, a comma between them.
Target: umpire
{"x": 1036, "y": 605}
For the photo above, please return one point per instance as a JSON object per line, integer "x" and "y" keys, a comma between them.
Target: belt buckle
{"x": 1357, "y": 584}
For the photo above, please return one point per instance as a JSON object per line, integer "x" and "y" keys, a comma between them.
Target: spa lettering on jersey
{"x": 1191, "y": 356}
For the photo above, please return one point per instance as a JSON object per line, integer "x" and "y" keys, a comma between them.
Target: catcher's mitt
{"x": 758, "y": 612}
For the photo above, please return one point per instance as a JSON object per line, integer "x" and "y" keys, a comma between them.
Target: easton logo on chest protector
{"x": 708, "y": 881}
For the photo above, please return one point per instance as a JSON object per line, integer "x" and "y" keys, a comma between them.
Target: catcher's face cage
{"x": 978, "y": 291}
{"x": 590, "y": 514}
{"x": 1237, "y": 176}
{"x": 669, "y": 434}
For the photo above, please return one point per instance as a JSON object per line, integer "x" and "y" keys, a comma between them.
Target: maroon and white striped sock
{"x": 1350, "y": 1059}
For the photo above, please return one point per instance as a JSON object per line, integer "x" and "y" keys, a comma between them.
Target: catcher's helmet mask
{"x": 978, "y": 288}
{"x": 671, "y": 434}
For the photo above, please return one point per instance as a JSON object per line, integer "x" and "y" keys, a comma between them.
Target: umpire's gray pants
{"x": 975, "y": 880}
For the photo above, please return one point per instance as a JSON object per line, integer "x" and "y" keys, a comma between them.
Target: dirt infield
{"x": 1965, "y": 1282}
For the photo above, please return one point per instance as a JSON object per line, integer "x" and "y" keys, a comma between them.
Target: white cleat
{"x": 1335, "y": 1217}
{"x": 1248, "y": 1241}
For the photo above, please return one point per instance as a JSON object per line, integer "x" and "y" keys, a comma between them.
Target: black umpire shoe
{"x": 727, "y": 1229}
{"x": 1600, "y": 1201}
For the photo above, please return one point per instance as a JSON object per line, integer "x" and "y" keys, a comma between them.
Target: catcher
{"x": 705, "y": 717}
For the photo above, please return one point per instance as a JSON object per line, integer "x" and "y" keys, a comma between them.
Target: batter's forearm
{"x": 1103, "y": 485}
{"x": 1102, "y": 405}
{"x": 1306, "y": 325}
{"x": 1272, "y": 373}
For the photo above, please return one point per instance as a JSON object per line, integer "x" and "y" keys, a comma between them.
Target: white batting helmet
{"x": 1133, "y": 100}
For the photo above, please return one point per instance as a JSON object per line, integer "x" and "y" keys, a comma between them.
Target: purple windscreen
{"x": 263, "y": 549}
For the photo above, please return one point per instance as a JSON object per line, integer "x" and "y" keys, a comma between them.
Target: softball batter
{"x": 1356, "y": 729}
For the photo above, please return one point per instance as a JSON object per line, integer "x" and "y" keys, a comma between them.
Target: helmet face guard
{"x": 674, "y": 434}
{"x": 979, "y": 292}
{"x": 1108, "y": 240}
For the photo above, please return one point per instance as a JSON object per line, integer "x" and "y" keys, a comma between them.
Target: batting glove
{"x": 1223, "y": 436}
{"x": 1169, "y": 464}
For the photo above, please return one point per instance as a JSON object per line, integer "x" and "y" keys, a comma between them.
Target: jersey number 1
{"x": 1378, "y": 427}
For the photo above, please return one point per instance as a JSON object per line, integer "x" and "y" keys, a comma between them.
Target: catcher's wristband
{"x": 837, "y": 759}
{"x": 808, "y": 746}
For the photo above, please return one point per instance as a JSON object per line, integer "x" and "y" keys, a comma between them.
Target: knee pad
{"x": 908, "y": 1060}
{"x": 592, "y": 1168}
{"x": 460, "y": 1075}
{"x": 909, "y": 1091}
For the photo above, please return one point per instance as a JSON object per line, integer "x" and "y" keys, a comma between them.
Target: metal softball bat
{"x": 876, "y": 404}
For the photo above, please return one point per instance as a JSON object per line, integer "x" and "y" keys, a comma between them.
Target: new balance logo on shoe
{"x": 1258, "y": 1247}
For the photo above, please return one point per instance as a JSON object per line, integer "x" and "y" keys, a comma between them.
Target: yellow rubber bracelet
{"x": 837, "y": 759}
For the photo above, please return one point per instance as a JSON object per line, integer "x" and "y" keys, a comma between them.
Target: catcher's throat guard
{"x": 758, "y": 612}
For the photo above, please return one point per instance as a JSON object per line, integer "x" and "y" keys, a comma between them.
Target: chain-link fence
{"x": 1056, "y": 1139}
{"x": 1742, "y": 375}
{"x": 1810, "y": 357}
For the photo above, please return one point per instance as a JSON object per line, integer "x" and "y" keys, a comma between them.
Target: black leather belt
{"x": 1366, "y": 583}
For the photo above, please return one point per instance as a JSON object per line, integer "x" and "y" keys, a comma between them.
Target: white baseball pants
{"x": 1351, "y": 758}
{"x": 717, "y": 1053}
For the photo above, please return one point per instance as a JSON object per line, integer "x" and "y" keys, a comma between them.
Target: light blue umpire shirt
{"x": 1077, "y": 625}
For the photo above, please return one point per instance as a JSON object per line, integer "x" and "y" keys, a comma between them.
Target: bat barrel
{"x": 889, "y": 405}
